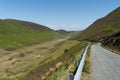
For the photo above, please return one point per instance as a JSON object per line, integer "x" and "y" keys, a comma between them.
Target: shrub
{"x": 109, "y": 30}
{"x": 10, "y": 49}
{"x": 66, "y": 50}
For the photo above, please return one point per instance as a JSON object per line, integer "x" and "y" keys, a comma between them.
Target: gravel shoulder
{"x": 105, "y": 65}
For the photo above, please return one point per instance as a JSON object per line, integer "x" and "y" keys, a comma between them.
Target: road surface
{"x": 105, "y": 65}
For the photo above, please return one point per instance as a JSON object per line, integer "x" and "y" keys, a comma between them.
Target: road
{"x": 105, "y": 65}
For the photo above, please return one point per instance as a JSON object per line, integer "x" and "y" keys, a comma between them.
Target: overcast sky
{"x": 58, "y": 14}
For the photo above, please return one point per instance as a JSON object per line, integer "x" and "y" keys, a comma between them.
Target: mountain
{"x": 32, "y": 25}
{"x": 16, "y": 33}
{"x": 63, "y": 32}
{"x": 101, "y": 28}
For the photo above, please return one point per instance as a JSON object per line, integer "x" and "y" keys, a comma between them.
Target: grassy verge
{"x": 68, "y": 62}
{"x": 5, "y": 79}
{"x": 86, "y": 68}
{"x": 59, "y": 64}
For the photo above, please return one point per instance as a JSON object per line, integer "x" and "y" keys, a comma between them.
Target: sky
{"x": 58, "y": 14}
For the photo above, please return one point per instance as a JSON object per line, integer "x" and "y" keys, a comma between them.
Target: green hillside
{"x": 63, "y": 32}
{"x": 15, "y": 34}
{"x": 101, "y": 28}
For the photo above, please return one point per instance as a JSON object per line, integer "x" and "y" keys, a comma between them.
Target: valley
{"x": 40, "y": 57}
{"x": 23, "y": 60}
{"x": 31, "y": 51}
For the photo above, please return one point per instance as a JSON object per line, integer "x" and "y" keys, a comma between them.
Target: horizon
{"x": 58, "y": 14}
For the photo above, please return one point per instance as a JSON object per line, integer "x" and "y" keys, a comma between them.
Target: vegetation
{"x": 112, "y": 41}
{"x": 25, "y": 39}
{"x": 16, "y": 64}
{"x": 87, "y": 67}
{"x": 63, "y": 32}
{"x": 50, "y": 60}
{"x": 58, "y": 68}
{"x": 68, "y": 66}
{"x": 18, "y": 55}
{"x": 5, "y": 79}
{"x": 16, "y": 34}
{"x": 109, "y": 30}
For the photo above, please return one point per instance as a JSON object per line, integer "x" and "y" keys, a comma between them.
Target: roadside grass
{"x": 68, "y": 62}
{"x": 86, "y": 69}
{"x": 58, "y": 63}
{"x": 5, "y": 79}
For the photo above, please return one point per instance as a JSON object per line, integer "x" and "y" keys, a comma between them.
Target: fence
{"x": 80, "y": 64}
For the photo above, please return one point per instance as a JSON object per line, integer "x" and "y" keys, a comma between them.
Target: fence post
{"x": 70, "y": 77}
{"x": 77, "y": 62}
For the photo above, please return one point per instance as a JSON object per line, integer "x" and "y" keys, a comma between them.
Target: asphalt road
{"x": 105, "y": 65}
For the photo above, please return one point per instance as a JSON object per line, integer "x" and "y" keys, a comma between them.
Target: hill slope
{"x": 112, "y": 41}
{"x": 16, "y": 33}
{"x": 102, "y": 27}
{"x": 27, "y": 24}
{"x": 63, "y": 32}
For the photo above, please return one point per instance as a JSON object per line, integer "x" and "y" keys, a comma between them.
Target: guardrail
{"x": 80, "y": 64}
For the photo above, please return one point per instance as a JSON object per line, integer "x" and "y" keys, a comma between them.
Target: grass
{"x": 41, "y": 55}
{"x": 17, "y": 64}
{"x": 69, "y": 63}
{"x": 110, "y": 30}
{"x": 48, "y": 68}
{"x": 25, "y": 39}
{"x": 20, "y": 51}
{"x": 86, "y": 69}
{"x": 16, "y": 34}
{"x": 5, "y": 79}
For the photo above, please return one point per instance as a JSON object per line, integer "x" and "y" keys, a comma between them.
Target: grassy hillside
{"x": 102, "y": 27}
{"x": 59, "y": 66}
{"x": 63, "y": 32}
{"x": 46, "y": 61}
{"x": 16, "y": 34}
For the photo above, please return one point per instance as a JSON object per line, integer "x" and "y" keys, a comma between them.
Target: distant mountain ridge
{"x": 32, "y": 25}
{"x": 63, "y": 32}
{"x": 101, "y": 28}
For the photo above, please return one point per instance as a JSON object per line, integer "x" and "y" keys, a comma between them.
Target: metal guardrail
{"x": 78, "y": 73}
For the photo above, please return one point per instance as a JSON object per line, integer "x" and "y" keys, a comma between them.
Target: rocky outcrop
{"x": 113, "y": 40}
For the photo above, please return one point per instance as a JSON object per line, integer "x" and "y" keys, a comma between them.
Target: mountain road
{"x": 105, "y": 65}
